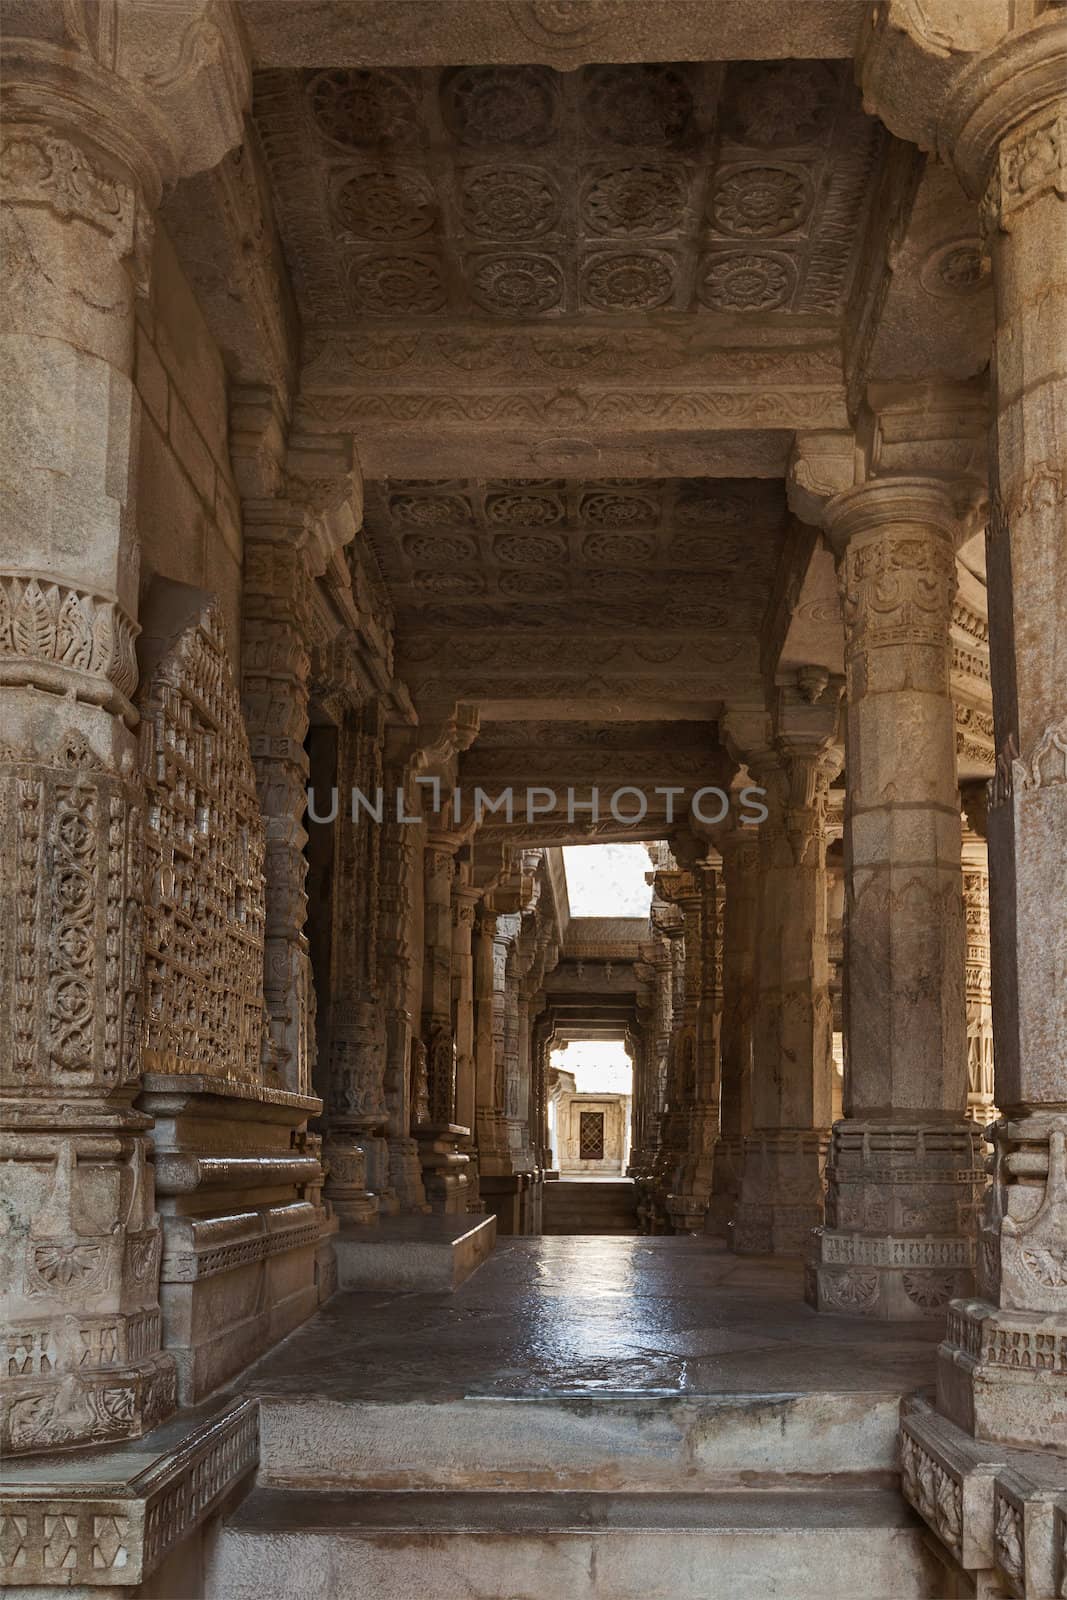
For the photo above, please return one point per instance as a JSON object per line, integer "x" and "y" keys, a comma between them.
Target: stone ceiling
{"x": 514, "y": 192}
{"x": 648, "y": 588}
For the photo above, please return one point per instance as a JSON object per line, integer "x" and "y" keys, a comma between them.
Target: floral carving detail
{"x": 779, "y": 103}
{"x": 386, "y": 285}
{"x": 618, "y": 547}
{"x": 734, "y": 282}
{"x": 502, "y": 105}
{"x": 529, "y": 549}
{"x": 509, "y": 202}
{"x": 850, "y": 1291}
{"x": 955, "y": 269}
{"x": 431, "y": 510}
{"x": 706, "y": 504}
{"x": 635, "y": 200}
{"x": 628, "y": 282}
{"x": 517, "y": 285}
{"x": 533, "y": 580}
{"x": 63, "y": 1265}
{"x": 759, "y": 202}
{"x": 362, "y": 109}
{"x": 458, "y": 584}
{"x": 1008, "y": 1540}
{"x": 898, "y": 590}
{"x": 517, "y": 510}
{"x": 928, "y": 1289}
{"x": 934, "y": 1493}
{"x": 440, "y": 548}
{"x": 638, "y": 105}
{"x": 49, "y": 622}
{"x": 385, "y": 205}
{"x": 605, "y": 509}
{"x": 563, "y": 23}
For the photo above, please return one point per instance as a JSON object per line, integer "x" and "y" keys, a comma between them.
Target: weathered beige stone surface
{"x": 483, "y": 395}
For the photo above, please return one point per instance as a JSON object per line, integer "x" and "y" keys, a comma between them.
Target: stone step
{"x": 750, "y": 1545}
{"x": 524, "y": 1440}
{"x": 413, "y": 1254}
{"x": 577, "y": 1208}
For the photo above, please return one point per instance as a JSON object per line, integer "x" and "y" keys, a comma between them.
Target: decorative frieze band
{"x": 190, "y": 1266}
{"x": 867, "y": 1250}
{"x": 119, "y": 1535}
{"x": 51, "y": 630}
{"x": 1031, "y": 162}
{"x": 37, "y": 170}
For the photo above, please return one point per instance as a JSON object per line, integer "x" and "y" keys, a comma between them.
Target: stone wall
{"x": 188, "y": 514}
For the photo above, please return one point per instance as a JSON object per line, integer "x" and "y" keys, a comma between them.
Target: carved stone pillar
{"x": 404, "y": 1054}
{"x": 690, "y": 1188}
{"x": 444, "y": 1165}
{"x": 275, "y": 666}
{"x": 1003, "y": 1366}
{"x": 781, "y": 1195}
{"x": 739, "y": 849}
{"x": 981, "y": 1108}
{"x": 465, "y": 897}
{"x": 671, "y": 1138}
{"x": 82, "y": 166}
{"x": 905, "y": 1171}
{"x": 351, "y": 1020}
{"x": 491, "y": 1128}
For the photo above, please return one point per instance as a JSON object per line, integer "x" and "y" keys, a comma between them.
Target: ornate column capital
{"x": 1004, "y": 127}
{"x": 156, "y": 99}
{"x": 918, "y": 454}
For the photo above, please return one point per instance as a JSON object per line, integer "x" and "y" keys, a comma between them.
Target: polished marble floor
{"x": 587, "y": 1316}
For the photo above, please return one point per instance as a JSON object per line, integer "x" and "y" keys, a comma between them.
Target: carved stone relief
{"x": 204, "y": 914}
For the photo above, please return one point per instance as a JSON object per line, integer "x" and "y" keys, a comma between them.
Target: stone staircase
{"x": 564, "y": 1497}
{"x": 584, "y": 1206}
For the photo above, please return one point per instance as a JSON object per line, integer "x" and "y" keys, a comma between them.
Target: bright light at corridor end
{"x": 607, "y": 880}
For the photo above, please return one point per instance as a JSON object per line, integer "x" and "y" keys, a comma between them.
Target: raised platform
{"x": 421, "y": 1254}
{"x": 586, "y": 1417}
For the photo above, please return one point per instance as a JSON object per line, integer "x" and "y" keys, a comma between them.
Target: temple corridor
{"x": 533, "y": 799}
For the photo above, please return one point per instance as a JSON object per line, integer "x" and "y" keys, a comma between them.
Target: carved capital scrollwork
{"x": 38, "y": 169}
{"x": 898, "y": 589}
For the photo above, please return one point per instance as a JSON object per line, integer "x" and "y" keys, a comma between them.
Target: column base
{"x": 405, "y": 1176}
{"x": 346, "y": 1190}
{"x": 46, "y": 1412}
{"x": 126, "y": 1511}
{"x": 781, "y": 1199}
{"x": 888, "y": 1278}
{"x": 1000, "y": 1514}
{"x": 725, "y": 1187}
{"x": 687, "y": 1212}
{"x": 901, "y": 1220}
{"x": 1002, "y": 1375}
{"x": 444, "y": 1167}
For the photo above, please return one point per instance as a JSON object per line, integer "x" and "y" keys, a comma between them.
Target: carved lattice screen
{"x": 204, "y": 896}
{"x": 591, "y": 1136}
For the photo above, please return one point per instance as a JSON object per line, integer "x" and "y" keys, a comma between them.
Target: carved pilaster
{"x": 275, "y": 665}
{"x": 740, "y": 857}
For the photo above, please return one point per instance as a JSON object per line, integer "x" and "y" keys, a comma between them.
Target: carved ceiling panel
{"x": 657, "y": 555}
{"x": 519, "y": 194}
{"x": 510, "y": 586}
